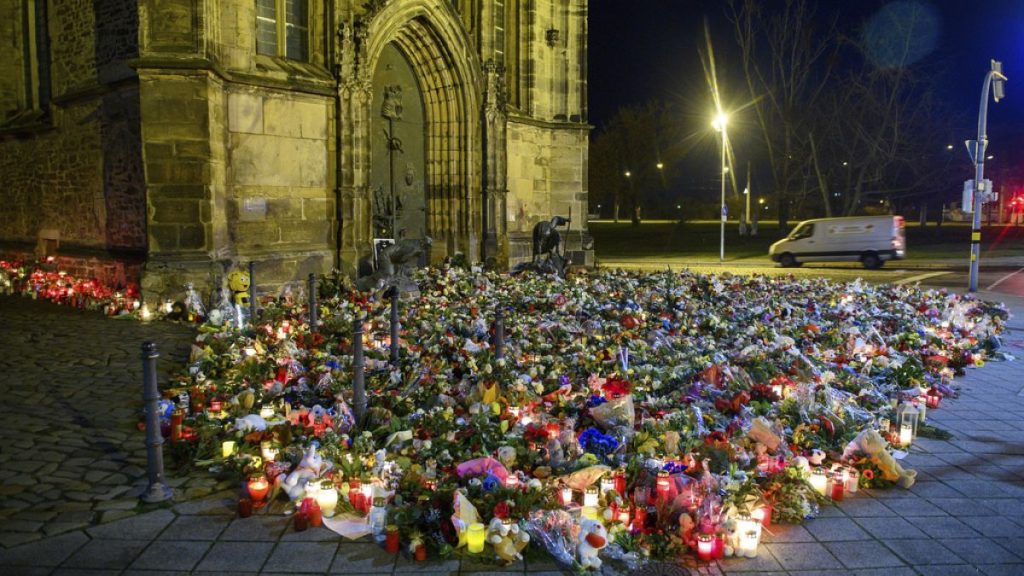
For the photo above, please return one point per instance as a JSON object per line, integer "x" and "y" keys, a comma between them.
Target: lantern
{"x": 607, "y": 485}
{"x": 590, "y": 497}
{"x": 258, "y": 488}
{"x": 475, "y": 535}
{"x": 906, "y": 434}
{"x": 227, "y": 448}
{"x": 908, "y": 417}
{"x": 818, "y": 480}
{"x": 662, "y": 486}
{"x": 327, "y": 498}
{"x": 705, "y": 546}
{"x": 748, "y": 543}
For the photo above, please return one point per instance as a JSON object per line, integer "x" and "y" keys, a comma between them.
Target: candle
{"x": 355, "y": 495}
{"x": 748, "y": 543}
{"x": 475, "y": 535}
{"x": 267, "y": 412}
{"x": 762, "y": 514}
{"x": 620, "y": 481}
{"x": 932, "y": 398}
{"x": 244, "y": 507}
{"x": 367, "y": 490}
{"x": 852, "y": 479}
{"x": 268, "y": 451}
{"x": 566, "y": 496}
{"x": 177, "y": 417}
{"x": 838, "y": 485}
{"x": 258, "y": 488}
{"x": 392, "y": 541}
{"x": 818, "y": 480}
{"x": 327, "y": 498}
{"x": 705, "y": 547}
{"x": 301, "y": 522}
{"x": 590, "y": 497}
{"x": 311, "y": 510}
{"x": 216, "y": 405}
{"x": 512, "y": 481}
{"x": 378, "y": 520}
{"x": 227, "y": 448}
{"x": 607, "y": 485}
{"x": 640, "y": 518}
{"x": 906, "y": 434}
{"x": 662, "y": 486}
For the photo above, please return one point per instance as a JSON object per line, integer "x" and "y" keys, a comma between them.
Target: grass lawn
{"x": 700, "y": 240}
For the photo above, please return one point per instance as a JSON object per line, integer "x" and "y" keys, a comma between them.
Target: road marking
{"x": 1004, "y": 278}
{"x": 920, "y": 277}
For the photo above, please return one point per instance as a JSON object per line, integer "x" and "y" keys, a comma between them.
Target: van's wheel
{"x": 787, "y": 260}
{"x": 871, "y": 261}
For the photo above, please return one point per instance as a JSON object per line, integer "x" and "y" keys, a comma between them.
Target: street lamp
{"x": 719, "y": 124}
{"x": 994, "y": 79}
{"x": 660, "y": 165}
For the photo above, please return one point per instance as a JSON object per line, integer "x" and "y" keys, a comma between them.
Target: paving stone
{"x": 255, "y": 528}
{"x": 318, "y": 534}
{"x": 139, "y": 527}
{"x": 990, "y": 526}
{"x": 786, "y": 533}
{"x": 763, "y": 562}
{"x": 803, "y": 556}
{"x": 236, "y": 557}
{"x": 868, "y": 554}
{"x": 948, "y": 570}
{"x": 922, "y": 552}
{"x": 171, "y": 555}
{"x": 980, "y": 551}
{"x": 833, "y": 529}
{"x": 433, "y": 566}
{"x": 195, "y": 528}
{"x": 301, "y": 557}
{"x": 864, "y": 507}
{"x": 48, "y": 552}
{"x": 884, "y": 528}
{"x": 106, "y": 554}
{"x": 945, "y": 527}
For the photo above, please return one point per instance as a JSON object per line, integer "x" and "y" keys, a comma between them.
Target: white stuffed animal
{"x": 251, "y": 423}
{"x": 593, "y": 537}
{"x": 309, "y": 468}
{"x": 507, "y": 539}
{"x": 871, "y": 443}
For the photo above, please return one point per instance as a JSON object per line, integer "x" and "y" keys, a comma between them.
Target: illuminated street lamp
{"x": 719, "y": 124}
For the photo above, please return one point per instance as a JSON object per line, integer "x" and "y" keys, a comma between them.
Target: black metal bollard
{"x": 158, "y": 490}
{"x": 358, "y": 377}
{"x": 313, "y": 312}
{"x": 394, "y": 325}
{"x": 252, "y": 293}
{"x": 499, "y": 334}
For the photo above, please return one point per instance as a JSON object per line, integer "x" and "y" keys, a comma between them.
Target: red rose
{"x": 501, "y": 510}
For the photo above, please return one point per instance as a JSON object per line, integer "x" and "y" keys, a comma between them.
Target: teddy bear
{"x": 238, "y": 282}
{"x": 593, "y": 537}
{"x": 871, "y": 443}
{"x": 507, "y": 539}
{"x": 309, "y": 468}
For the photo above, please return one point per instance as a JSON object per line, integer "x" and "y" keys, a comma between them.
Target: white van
{"x": 869, "y": 239}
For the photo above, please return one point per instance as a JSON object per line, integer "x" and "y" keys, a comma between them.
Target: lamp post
{"x": 719, "y": 124}
{"x": 994, "y": 78}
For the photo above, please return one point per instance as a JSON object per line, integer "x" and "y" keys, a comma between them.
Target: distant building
{"x": 161, "y": 140}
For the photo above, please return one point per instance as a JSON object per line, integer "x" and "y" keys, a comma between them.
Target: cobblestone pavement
{"x": 965, "y": 515}
{"x": 71, "y": 384}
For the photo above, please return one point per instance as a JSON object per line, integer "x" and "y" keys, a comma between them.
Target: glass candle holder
{"x": 475, "y": 535}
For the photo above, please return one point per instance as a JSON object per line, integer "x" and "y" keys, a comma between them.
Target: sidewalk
{"x": 965, "y": 515}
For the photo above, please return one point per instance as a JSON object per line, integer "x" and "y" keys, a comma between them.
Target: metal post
{"x": 358, "y": 368}
{"x": 252, "y": 293}
{"x": 979, "y": 169}
{"x": 721, "y": 254}
{"x": 158, "y": 490}
{"x": 313, "y": 312}
{"x": 394, "y": 325}
{"x": 499, "y": 334}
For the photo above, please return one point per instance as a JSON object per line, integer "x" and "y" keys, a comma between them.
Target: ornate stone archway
{"x": 430, "y": 36}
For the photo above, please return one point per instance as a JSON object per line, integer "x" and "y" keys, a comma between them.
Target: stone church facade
{"x": 166, "y": 140}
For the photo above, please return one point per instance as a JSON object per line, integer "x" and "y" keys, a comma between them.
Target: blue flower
{"x": 491, "y": 483}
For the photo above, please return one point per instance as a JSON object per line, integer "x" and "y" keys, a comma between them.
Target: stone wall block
{"x": 175, "y": 211}
{"x": 245, "y": 113}
{"x": 284, "y": 209}
{"x": 192, "y": 237}
{"x": 307, "y": 233}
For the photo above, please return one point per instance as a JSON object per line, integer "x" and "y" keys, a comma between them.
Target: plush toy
{"x": 507, "y": 539}
{"x": 761, "y": 431}
{"x": 238, "y": 282}
{"x": 593, "y": 537}
{"x": 310, "y": 467}
{"x": 870, "y": 443}
{"x": 250, "y": 423}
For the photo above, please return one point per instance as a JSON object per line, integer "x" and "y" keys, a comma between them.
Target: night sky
{"x": 643, "y": 49}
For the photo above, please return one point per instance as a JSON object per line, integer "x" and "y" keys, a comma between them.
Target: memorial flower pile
{"x": 43, "y": 281}
{"x": 622, "y": 416}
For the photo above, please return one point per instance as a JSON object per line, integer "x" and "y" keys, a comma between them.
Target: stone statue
{"x": 394, "y": 265}
{"x": 392, "y": 107}
{"x": 546, "y": 239}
